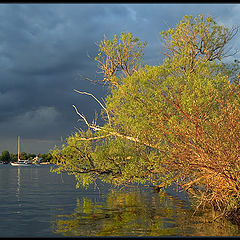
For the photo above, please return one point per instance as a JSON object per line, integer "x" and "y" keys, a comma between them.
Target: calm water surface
{"x": 37, "y": 203}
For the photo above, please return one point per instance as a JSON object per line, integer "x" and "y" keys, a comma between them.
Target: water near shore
{"x": 37, "y": 203}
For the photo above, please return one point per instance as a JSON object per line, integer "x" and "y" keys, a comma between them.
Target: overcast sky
{"x": 44, "y": 51}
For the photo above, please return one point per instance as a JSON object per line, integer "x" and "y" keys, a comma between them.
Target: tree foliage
{"x": 5, "y": 157}
{"x": 197, "y": 40}
{"x": 119, "y": 58}
{"x": 177, "y": 122}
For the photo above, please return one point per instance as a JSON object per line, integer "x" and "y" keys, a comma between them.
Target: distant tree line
{"x": 7, "y": 157}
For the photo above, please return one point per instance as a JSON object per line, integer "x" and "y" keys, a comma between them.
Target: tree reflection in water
{"x": 136, "y": 213}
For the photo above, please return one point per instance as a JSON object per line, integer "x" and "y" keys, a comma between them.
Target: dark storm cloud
{"x": 44, "y": 52}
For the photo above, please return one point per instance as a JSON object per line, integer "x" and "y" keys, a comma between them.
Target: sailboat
{"x": 20, "y": 162}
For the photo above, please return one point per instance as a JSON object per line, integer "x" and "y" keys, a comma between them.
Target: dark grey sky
{"x": 44, "y": 52}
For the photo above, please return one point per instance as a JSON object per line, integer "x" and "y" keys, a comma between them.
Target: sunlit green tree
{"x": 177, "y": 122}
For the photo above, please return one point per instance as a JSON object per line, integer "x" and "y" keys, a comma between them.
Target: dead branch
{"x": 110, "y": 133}
{"x": 97, "y": 101}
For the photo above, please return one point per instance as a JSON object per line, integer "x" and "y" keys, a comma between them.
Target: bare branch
{"x": 116, "y": 134}
{"x": 94, "y": 138}
{"x": 85, "y": 120}
{"x": 97, "y": 101}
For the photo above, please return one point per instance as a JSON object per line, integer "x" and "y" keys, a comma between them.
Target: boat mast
{"x": 18, "y": 146}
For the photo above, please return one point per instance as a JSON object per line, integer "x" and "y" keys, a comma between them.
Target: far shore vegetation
{"x": 173, "y": 123}
{"x": 7, "y": 157}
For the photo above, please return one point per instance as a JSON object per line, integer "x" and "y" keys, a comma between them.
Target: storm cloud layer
{"x": 44, "y": 55}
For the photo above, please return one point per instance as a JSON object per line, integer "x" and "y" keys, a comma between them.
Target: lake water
{"x": 37, "y": 203}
